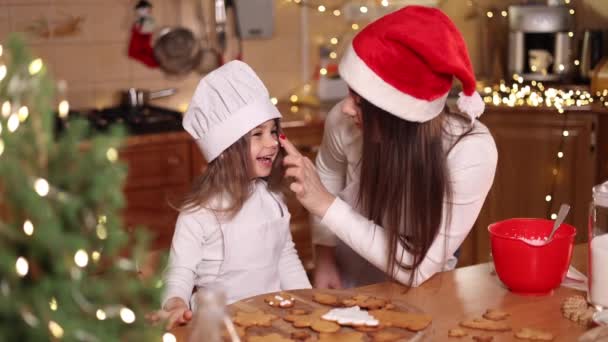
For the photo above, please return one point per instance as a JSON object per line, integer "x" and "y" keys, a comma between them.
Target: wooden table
{"x": 467, "y": 292}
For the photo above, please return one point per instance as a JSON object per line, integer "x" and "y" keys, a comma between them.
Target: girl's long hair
{"x": 405, "y": 185}
{"x": 227, "y": 180}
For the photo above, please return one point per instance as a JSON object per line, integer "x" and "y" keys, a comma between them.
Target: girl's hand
{"x": 306, "y": 185}
{"x": 174, "y": 313}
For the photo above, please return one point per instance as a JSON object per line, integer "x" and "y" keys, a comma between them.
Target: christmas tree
{"x": 64, "y": 270}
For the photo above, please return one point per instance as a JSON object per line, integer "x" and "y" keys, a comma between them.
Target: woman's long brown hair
{"x": 227, "y": 179}
{"x": 405, "y": 181}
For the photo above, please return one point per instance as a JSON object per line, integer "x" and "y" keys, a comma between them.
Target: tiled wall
{"x": 94, "y": 61}
{"x": 95, "y": 64}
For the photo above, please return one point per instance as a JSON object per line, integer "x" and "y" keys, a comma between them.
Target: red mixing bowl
{"x": 531, "y": 269}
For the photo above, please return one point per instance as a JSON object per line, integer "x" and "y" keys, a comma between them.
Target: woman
{"x": 399, "y": 180}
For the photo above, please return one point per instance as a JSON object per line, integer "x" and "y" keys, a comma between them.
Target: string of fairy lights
{"x": 14, "y": 115}
{"x": 518, "y": 93}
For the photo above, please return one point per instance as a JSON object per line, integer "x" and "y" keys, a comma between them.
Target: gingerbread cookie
{"x": 281, "y": 300}
{"x": 457, "y": 332}
{"x": 575, "y": 308}
{"x": 486, "y": 338}
{"x": 485, "y": 324}
{"x": 352, "y": 316}
{"x": 405, "y": 320}
{"x": 388, "y": 336}
{"x": 325, "y": 299}
{"x": 495, "y": 315}
{"x": 254, "y": 318}
{"x": 366, "y": 302}
{"x": 352, "y": 336}
{"x": 534, "y": 335}
{"x": 274, "y": 337}
{"x": 300, "y": 335}
{"x": 313, "y": 320}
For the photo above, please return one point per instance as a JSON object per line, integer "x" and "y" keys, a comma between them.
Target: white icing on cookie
{"x": 285, "y": 303}
{"x": 351, "y": 316}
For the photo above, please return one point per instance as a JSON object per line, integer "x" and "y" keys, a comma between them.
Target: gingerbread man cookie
{"x": 254, "y": 318}
{"x": 325, "y": 299}
{"x": 485, "y": 324}
{"x": 314, "y": 321}
{"x": 405, "y": 320}
{"x": 534, "y": 335}
{"x": 366, "y": 302}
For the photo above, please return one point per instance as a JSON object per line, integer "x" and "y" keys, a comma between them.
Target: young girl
{"x": 233, "y": 229}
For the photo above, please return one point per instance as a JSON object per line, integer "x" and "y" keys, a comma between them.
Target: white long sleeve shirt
{"x": 197, "y": 249}
{"x": 471, "y": 163}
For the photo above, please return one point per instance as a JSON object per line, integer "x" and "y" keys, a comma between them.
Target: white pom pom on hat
{"x": 405, "y": 63}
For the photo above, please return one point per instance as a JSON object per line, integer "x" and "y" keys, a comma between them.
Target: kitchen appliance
{"x": 539, "y": 42}
{"x": 255, "y": 18}
{"x": 592, "y": 51}
{"x": 146, "y": 119}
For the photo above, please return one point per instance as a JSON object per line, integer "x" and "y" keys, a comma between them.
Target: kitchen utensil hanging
{"x": 176, "y": 48}
{"x": 210, "y": 54}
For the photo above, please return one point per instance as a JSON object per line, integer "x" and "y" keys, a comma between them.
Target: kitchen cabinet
{"x": 528, "y": 140}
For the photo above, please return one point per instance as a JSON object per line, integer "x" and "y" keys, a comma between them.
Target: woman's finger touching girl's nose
{"x": 288, "y": 146}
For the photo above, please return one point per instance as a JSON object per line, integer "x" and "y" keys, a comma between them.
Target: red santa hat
{"x": 405, "y": 62}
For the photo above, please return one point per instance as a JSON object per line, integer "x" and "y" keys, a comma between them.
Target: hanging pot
{"x": 176, "y": 48}
{"x": 210, "y": 56}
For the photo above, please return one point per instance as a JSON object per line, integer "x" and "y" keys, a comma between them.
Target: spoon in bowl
{"x": 561, "y": 215}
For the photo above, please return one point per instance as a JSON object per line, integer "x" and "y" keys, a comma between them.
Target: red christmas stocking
{"x": 140, "y": 47}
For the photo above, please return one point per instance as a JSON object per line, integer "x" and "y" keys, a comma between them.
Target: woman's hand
{"x": 307, "y": 185}
{"x": 174, "y": 313}
{"x": 326, "y": 271}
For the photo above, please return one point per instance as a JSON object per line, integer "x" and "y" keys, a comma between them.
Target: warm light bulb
{"x": 334, "y": 40}
{"x": 274, "y": 100}
{"x": 112, "y": 154}
{"x": 42, "y": 187}
{"x": 294, "y": 109}
{"x": 102, "y": 232}
{"x": 561, "y": 67}
{"x": 81, "y": 258}
{"x": 355, "y": 26}
{"x": 22, "y": 266}
{"x": 6, "y": 109}
{"x": 100, "y": 314}
{"x": 293, "y": 98}
{"x": 1, "y": 50}
{"x": 560, "y": 154}
{"x": 35, "y": 66}
{"x": 553, "y": 216}
{"x": 572, "y": 11}
{"x": 323, "y": 71}
{"x": 55, "y": 329}
{"x": 28, "y": 228}
{"x": 337, "y": 13}
{"x": 548, "y": 198}
{"x": 363, "y": 9}
{"x": 1, "y": 146}
{"x": 127, "y": 315}
{"x": 333, "y": 55}
{"x": 23, "y": 113}
{"x": 95, "y": 256}
{"x": 169, "y": 337}
{"x": 64, "y": 109}
{"x": 570, "y": 34}
{"x": 504, "y": 13}
{"x": 3, "y": 72}
{"x": 321, "y": 8}
{"x": 53, "y": 304}
{"x": 565, "y": 133}
{"x": 13, "y": 123}
{"x": 490, "y": 14}
{"x": 384, "y": 3}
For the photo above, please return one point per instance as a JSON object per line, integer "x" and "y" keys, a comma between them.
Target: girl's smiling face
{"x": 264, "y": 147}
